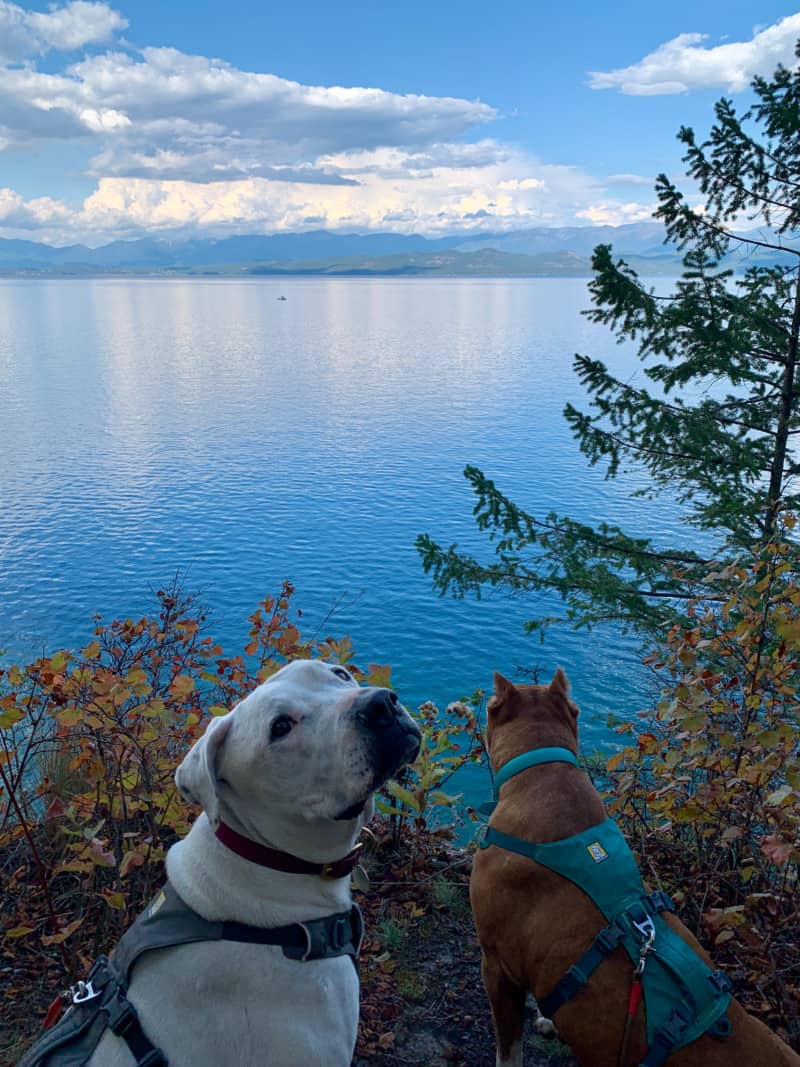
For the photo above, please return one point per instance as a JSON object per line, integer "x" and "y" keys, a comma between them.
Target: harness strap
{"x": 169, "y": 921}
{"x": 100, "y": 1001}
{"x": 684, "y": 998}
{"x": 333, "y": 935}
{"x": 609, "y": 938}
{"x": 123, "y": 1019}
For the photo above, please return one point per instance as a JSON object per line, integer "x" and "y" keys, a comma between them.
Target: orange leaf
{"x": 129, "y": 860}
{"x": 380, "y": 675}
{"x": 62, "y": 935}
{"x": 181, "y": 686}
{"x": 776, "y": 849}
{"x": 615, "y": 760}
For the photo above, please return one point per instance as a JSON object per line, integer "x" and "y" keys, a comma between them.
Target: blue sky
{"x": 197, "y": 118}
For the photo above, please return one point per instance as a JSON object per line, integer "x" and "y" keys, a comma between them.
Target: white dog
{"x": 285, "y": 780}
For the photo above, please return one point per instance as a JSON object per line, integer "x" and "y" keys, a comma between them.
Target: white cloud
{"x": 182, "y": 144}
{"x": 17, "y": 214}
{"x": 684, "y": 63}
{"x": 614, "y": 213}
{"x": 78, "y": 24}
{"x": 164, "y": 114}
{"x": 517, "y": 192}
{"x": 630, "y": 179}
{"x": 29, "y": 33}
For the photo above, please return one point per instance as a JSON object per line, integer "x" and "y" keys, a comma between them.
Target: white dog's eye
{"x": 280, "y": 727}
{"x": 340, "y": 672}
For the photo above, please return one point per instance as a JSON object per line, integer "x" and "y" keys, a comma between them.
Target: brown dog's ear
{"x": 559, "y": 687}
{"x": 502, "y": 687}
{"x": 503, "y": 705}
{"x": 560, "y": 684}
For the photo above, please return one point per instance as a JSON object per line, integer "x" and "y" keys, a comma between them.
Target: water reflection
{"x": 155, "y": 425}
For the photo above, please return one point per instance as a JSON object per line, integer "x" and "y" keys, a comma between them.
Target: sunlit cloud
{"x": 614, "y": 213}
{"x": 516, "y": 193}
{"x": 685, "y": 63}
{"x": 186, "y": 145}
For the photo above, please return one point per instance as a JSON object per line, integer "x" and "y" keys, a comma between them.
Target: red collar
{"x": 284, "y": 861}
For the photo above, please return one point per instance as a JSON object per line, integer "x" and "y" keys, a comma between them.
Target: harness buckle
{"x": 720, "y": 981}
{"x": 82, "y": 992}
{"x": 341, "y": 932}
{"x": 647, "y": 929}
{"x": 661, "y": 901}
{"x": 610, "y": 937}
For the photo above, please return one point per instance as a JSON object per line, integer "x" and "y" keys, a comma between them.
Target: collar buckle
{"x": 339, "y": 868}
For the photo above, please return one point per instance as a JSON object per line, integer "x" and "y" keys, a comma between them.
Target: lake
{"x": 155, "y": 425}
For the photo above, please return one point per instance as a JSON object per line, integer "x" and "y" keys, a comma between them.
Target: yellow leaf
{"x": 403, "y": 795}
{"x": 10, "y": 716}
{"x": 114, "y": 900}
{"x": 154, "y": 709}
{"x": 379, "y": 675}
{"x": 69, "y": 716}
{"x": 19, "y": 931}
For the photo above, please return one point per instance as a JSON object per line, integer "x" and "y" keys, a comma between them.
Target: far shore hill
{"x": 563, "y": 252}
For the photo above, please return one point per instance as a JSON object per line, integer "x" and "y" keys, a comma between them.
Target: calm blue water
{"x": 156, "y": 425}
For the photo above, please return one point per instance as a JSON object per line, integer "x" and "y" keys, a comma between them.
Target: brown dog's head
{"x": 524, "y": 717}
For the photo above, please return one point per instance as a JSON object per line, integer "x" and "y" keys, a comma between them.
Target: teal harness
{"x": 683, "y": 997}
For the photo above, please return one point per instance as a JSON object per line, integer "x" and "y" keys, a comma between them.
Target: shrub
{"x": 710, "y": 785}
{"x": 89, "y": 743}
{"x": 450, "y": 740}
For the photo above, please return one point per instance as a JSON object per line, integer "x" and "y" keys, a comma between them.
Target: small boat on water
{"x": 281, "y": 298}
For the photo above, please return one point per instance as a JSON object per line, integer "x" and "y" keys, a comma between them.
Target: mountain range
{"x": 537, "y": 251}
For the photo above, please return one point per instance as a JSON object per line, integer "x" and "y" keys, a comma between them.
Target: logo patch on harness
{"x": 157, "y": 904}
{"x": 597, "y": 852}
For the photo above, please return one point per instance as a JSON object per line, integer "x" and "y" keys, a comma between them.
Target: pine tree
{"x": 717, "y": 420}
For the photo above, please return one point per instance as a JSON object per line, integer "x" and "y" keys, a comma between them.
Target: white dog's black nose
{"x": 380, "y": 709}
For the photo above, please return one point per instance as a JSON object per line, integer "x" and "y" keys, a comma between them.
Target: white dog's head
{"x": 300, "y": 757}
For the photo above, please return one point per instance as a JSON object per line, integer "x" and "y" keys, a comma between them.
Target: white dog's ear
{"x": 196, "y": 777}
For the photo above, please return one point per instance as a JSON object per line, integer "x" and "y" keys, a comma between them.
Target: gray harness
{"x": 100, "y": 1001}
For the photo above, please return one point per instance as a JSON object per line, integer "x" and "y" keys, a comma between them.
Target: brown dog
{"x": 534, "y": 924}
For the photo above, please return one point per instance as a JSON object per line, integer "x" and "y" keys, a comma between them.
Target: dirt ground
{"x": 436, "y": 1013}
{"x": 422, "y": 999}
